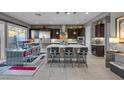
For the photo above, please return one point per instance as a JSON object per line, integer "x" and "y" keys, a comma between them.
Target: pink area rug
{"x": 22, "y": 68}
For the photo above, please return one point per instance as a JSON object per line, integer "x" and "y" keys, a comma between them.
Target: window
{"x": 15, "y": 34}
{"x": 2, "y": 40}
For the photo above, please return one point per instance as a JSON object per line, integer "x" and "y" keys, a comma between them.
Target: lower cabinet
{"x": 98, "y": 50}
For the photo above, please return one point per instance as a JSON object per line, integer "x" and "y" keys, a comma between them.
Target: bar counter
{"x": 75, "y": 46}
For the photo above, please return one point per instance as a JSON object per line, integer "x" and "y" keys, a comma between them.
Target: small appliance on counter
{"x": 81, "y": 40}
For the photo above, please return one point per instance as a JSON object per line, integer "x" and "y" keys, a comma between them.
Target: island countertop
{"x": 63, "y": 46}
{"x": 75, "y": 46}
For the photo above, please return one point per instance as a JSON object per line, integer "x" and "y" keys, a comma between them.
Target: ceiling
{"x": 37, "y": 18}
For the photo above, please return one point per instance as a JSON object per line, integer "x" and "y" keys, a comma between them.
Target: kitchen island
{"x": 61, "y": 47}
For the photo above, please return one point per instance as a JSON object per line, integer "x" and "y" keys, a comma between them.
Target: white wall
{"x": 13, "y": 20}
{"x": 88, "y": 37}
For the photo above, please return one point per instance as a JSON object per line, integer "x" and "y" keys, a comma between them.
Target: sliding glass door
{"x": 12, "y": 34}
{"x": 2, "y": 40}
{"x": 15, "y": 34}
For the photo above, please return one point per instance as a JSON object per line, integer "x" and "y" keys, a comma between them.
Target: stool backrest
{"x": 83, "y": 50}
{"x": 68, "y": 50}
{"x": 54, "y": 50}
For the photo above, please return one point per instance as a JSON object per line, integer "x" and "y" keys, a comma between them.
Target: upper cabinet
{"x": 99, "y": 30}
{"x": 55, "y": 34}
{"x": 81, "y": 31}
{"x": 74, "y": 33}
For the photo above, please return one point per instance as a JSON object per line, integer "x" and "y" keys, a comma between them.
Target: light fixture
{"x": 74, "y": 12}
{"x": 57, "y": 12}
{"x": 114, "y": 40}
{"x": 113, "y": 43}
{"x": 57, "y": 33}
{"x": 87, "y": 13}
{"x": 67, "y": 13}
{"x": 74, "y": 33}
{"x": 38, "y": 14}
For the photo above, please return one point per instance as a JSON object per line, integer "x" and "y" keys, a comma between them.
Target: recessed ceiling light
{"x": 38, "y": 14}
{"x": 57, "y": 12}
{"x": 57, "y": 33}
{"x": 87, "y": 13}
{"x": 74, "y": 12}
{"x": 67, "y": 13}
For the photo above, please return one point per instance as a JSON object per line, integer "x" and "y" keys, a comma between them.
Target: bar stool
{"x": 68, "y": 54}
{"x": 82, "y": 55}
{"x": 54, "y": 53}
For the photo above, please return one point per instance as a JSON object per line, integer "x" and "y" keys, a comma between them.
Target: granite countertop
{"x": 70, "y": 45}
{"x": 120, "y": 54}
{"x": 114, "y": 51}
{"x": 60, "y": 42}
{"x": 98, "y": 44}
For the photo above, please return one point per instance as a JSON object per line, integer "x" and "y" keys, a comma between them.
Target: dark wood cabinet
{"x": 74, "y": 33}
{"x": 99, "y": 30}
{"x": 98, "y": 50}
{"x": 55, "y": 34}
{"x": 81, "y": 31}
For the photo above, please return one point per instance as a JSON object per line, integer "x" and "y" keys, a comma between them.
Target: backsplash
{"x": 98, "y": 41}
{"x": 119, "y": 47}
{"x": 55, "y": 40}
{"x": 58, "y": 40}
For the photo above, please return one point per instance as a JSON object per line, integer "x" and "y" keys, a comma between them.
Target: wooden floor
{"x": 95, "y": 71}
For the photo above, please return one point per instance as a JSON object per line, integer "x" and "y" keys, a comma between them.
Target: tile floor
{"x": 95, "y": 71}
